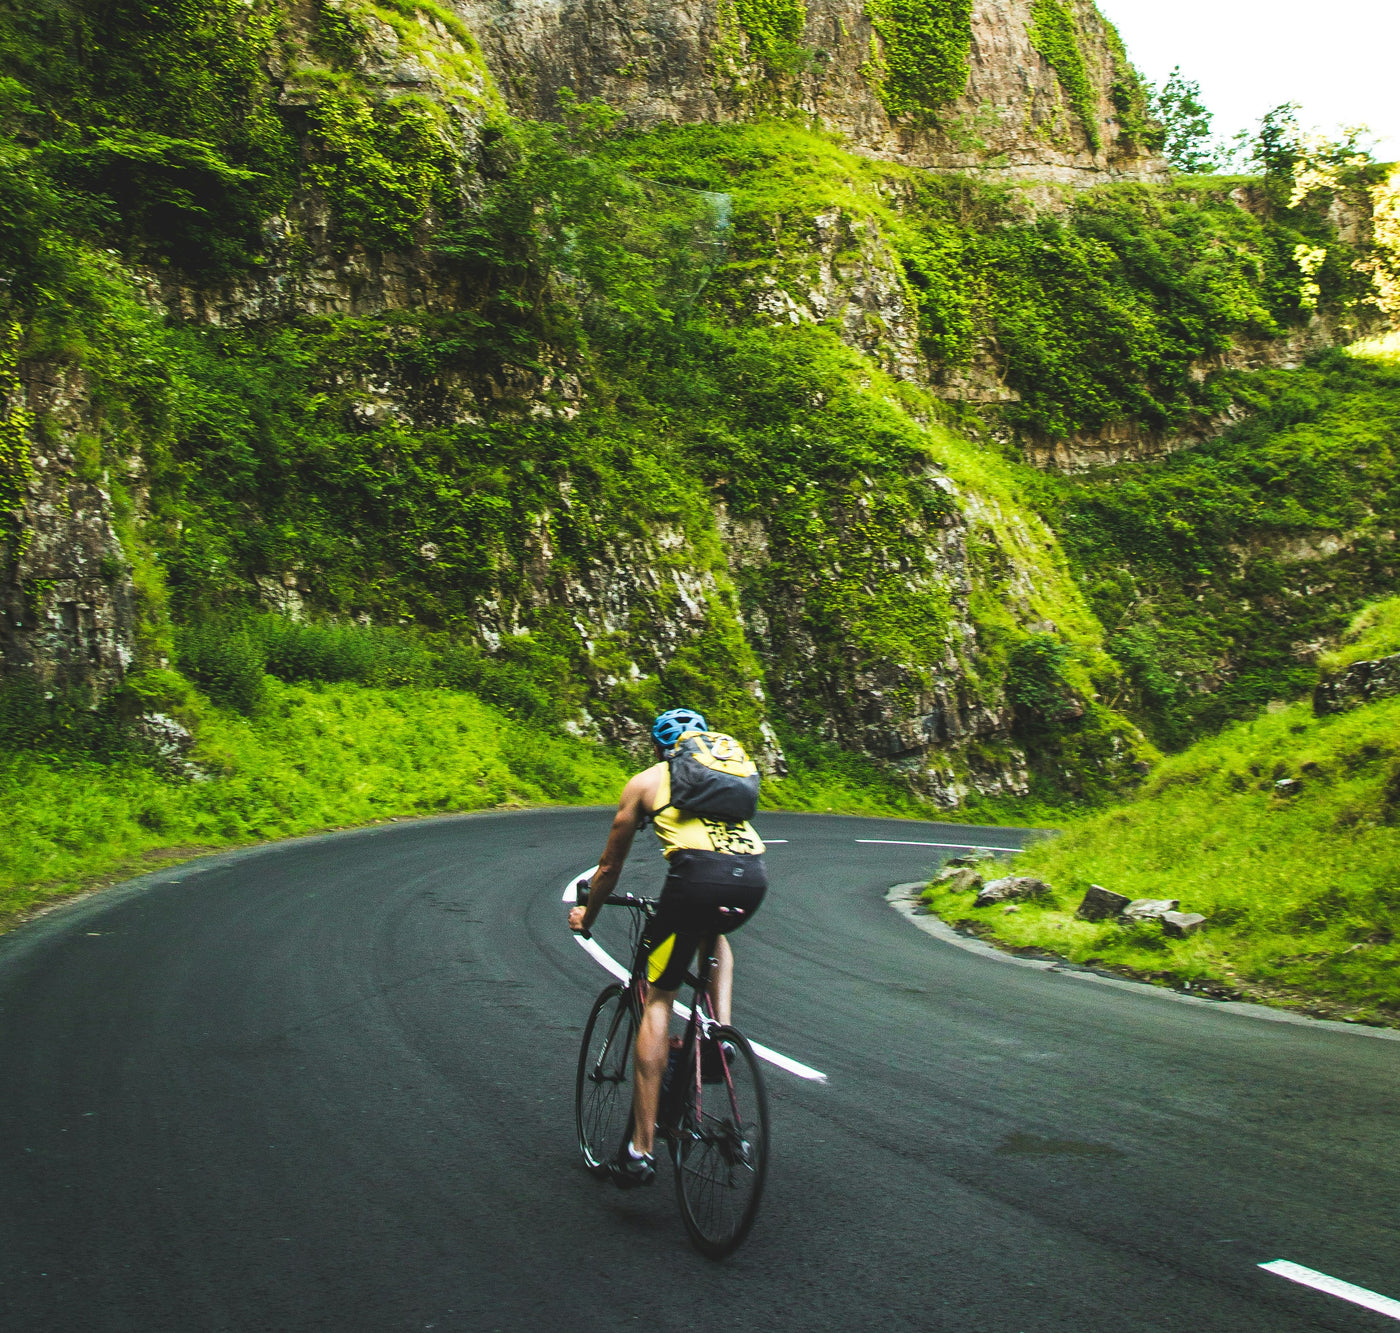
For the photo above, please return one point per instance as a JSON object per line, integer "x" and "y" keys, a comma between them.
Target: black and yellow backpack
{"x": 712, "y": 776}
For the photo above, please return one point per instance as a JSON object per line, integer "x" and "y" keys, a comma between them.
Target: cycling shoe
{"x": 629, "y": 1173}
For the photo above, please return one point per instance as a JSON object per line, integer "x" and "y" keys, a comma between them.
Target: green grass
{"x": 1302, "y": 891}
{"x": 312, "y": 757}
{"x": 1374, "y": 632}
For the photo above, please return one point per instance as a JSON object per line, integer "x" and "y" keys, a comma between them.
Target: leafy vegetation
{"x": 919, "y": 53}
{"x": 155, "y": 127}
{"x": 625, "y": 427}
{"x": 310, "y": 756}
{"x": 1299, "y": 884}
{"x": 1055, "y": 35}
{"x": 773, "y": 29}
{"x": 1218, "y": 571}
{"x": 1187, "y": 142}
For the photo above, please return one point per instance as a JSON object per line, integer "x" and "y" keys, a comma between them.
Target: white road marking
{"x": 970, "y": 846}
{"x": 1334, "y": 1287}
{"x": 610, "y": 964}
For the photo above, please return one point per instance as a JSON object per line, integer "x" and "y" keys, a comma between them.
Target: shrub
{"x": 227, "y": 660}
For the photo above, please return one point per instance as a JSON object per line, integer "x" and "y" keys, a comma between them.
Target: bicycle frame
{"x": 700, "y": 1025}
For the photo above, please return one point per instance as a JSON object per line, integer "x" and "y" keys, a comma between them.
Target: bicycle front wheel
{"x": 603, "y": 1093}
{"x": 721, "y": 1150}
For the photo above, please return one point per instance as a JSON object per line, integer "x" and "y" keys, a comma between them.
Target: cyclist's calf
{"x": 651, "y": 1053}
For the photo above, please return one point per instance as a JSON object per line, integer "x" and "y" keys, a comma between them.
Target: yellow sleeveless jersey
{"x": 679, "y": 828}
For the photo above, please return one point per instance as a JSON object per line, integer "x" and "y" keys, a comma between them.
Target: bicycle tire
{"x": 603, "y": 1090}
{"x": 721, "y": 1153}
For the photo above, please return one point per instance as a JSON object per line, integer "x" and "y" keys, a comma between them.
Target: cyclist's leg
{"x": 667, "y": 948}
{"x": 722, "y": 981}
{"x": 652, "y": 1050}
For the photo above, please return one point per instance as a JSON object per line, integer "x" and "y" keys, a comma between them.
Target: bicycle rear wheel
{"x": 721, "y": 1152}
{"x": 603, "y": 1093}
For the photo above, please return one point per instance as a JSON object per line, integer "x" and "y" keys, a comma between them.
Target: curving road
{"x": 328, "y": 1085}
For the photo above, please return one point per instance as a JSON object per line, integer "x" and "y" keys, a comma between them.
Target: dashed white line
{"x": 969, "y": 846}
{"x": 1334, "y": 1286}
{"x": 610, "y": 964}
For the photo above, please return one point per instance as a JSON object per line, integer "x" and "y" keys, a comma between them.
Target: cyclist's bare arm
{"x": 632, "y": 810}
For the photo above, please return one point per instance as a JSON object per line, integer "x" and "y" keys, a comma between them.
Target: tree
{"x": 1185, "y": 121}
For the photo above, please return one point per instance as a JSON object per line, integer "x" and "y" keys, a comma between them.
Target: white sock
{"x": 633, "y": 1153}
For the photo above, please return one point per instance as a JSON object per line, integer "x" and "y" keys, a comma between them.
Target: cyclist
{"x": 715, "y": 880}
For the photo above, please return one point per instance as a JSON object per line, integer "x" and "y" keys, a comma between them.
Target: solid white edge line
{"x": 610, "y": 964}
{"x": 1334, "y": 1286}
{"x": 971, "y": 846}
{"x": 786, "y": 1062}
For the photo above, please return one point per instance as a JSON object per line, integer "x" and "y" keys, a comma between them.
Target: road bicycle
{"x": 713, "y": 1113}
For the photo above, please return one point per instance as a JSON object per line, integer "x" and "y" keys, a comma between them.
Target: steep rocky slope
{"x": 303, "y": 320}
{"x": 1032, "y": 89}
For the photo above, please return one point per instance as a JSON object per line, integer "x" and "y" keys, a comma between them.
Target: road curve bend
{"x": 328, "y": 1085}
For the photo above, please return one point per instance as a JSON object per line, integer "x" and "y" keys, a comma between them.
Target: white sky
{"x": 1340, "y": 59}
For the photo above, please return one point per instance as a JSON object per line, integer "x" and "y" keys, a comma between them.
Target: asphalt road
{"x": 328, "y": 1085}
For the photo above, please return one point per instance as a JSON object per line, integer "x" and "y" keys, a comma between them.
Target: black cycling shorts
{"x": 706, "y": 893}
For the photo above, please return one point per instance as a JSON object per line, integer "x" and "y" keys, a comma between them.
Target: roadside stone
{"x": 1181, "y": 924}
{"x": 1150, "y": 909}
{"x": 1100, "y": 904}
{"x": 169, "y": 743}
{"x": 963, "y": 879}
{"x": 1012, "y": 886}
{"x": 1360, "y": 683}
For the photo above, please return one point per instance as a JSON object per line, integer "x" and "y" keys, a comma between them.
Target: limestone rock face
{"x": 846, "y": 273}
{"x": 636, "y": 600}
{"x": 66, "y": 601}
{"x": 663, "y": 62}
{"x": 933, "y": 726}
{"x": 1134, "y": 442}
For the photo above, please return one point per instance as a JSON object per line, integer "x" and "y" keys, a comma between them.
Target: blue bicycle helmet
{"x": 671, "y": 725}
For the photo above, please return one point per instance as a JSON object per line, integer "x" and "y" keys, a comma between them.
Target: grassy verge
{"x": 1302, "y": 891}
{"x": 313, "y": 757}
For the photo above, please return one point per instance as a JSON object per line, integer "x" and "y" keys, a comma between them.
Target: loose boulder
{"x": 1101, "y": 904}
{"x": 1181, "y": 924}
{"x": 1150, "y": 909}
{"x": 962, "y": 879}
{"x": 1013, "y": 886}
{"x": 1360, "y": 683}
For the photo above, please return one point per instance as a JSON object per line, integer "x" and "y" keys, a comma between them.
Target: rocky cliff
{"x": 639, "y": 412}
{"x": 1028, "y": 89}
